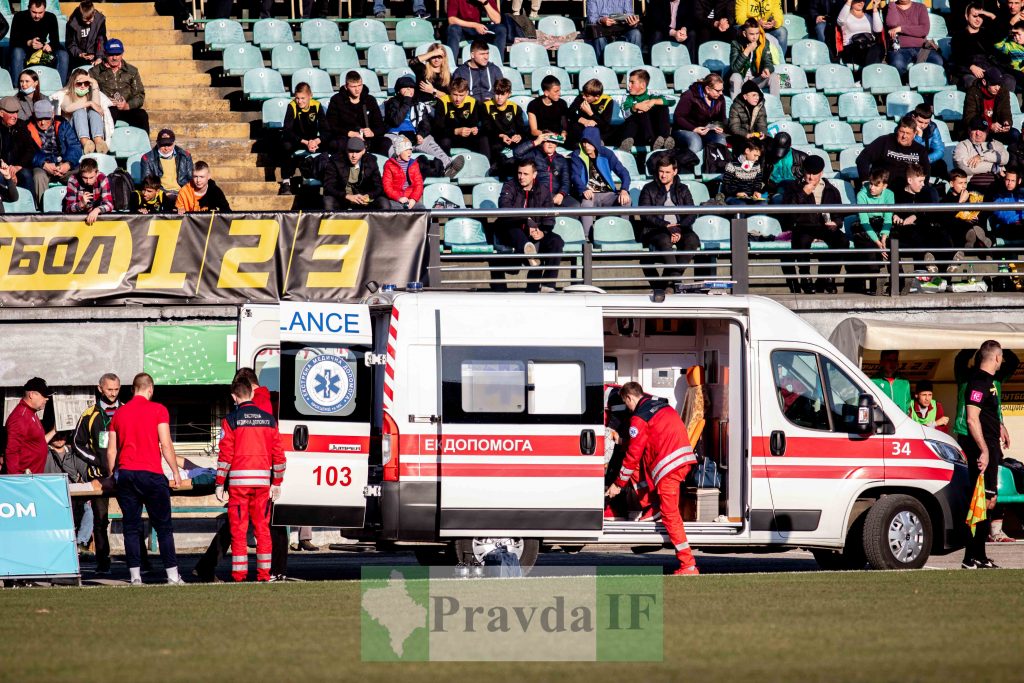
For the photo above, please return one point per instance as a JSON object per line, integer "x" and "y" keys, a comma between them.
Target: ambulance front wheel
{"x": 897, "y": 533}
{"x": 475, "y": 549}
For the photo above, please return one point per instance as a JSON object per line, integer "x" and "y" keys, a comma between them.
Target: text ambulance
{"x": 458, "y": 422}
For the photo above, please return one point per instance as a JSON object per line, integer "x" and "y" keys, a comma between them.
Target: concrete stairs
{"x": 180, "y": 94}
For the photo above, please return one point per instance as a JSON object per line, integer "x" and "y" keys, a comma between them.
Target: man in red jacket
{"x": 252, "y": 461}
{"x": 658, "y": 442}
{"x": 26, "y": 438}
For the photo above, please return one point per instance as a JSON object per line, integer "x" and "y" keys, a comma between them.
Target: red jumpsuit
{"x": 251, "y": 460}
{"x": 658, "y": 442}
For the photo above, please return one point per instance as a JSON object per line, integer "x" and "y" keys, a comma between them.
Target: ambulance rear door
{"x": 326, "y": 409}
{"x": 521, "y": 439}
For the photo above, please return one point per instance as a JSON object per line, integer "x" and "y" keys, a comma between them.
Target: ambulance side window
{"x": 493, "y": 386}
{"x": 798, "y": 386}
{"x": 844, "y": 397}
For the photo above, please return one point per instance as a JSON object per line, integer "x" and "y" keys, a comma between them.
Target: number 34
{"x": 900, "y": 448}
{"x": 333, "y": 476}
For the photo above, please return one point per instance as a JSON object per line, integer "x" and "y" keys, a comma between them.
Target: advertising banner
{"x": 189, "y": 354}
{"x": 37, "y": 532}
{"x": 206, "y": 258}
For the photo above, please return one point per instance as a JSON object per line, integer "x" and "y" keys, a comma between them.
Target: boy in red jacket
{"x": 403, "y": 182}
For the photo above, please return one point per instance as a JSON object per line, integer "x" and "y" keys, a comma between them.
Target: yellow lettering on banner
{"x": 59, "y": 256}
{"x": 230, "y": 277}
{"x": 346, "y": 258}
{"x": 160, "y": 275}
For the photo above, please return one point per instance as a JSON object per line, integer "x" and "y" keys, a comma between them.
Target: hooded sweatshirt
{"x": 608, "y": 165}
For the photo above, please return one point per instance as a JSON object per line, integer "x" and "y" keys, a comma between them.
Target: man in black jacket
{"x": 352, "y": 182}
{"x": 528, "y": 236}
{"x": 552, "y": 167}
{"x": 895, "y": 153}
{"x": 812, "y": 190}
{"x": 667, "y": 232}
{"x": 16, "y": 145}
{"x": 85, "y": 35}
{"x": 353, "y": 112}
{"x": 303, "y": 132}
{"x": 34, "y": 30}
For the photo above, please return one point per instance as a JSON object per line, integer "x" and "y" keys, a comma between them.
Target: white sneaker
{"x": 176, "y": 582}
{"x": 135, "y": 582}
{"x": 530, "y": 249}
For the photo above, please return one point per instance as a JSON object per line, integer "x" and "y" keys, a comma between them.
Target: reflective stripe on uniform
{"x": 221, "y": 465}
{"x": 666, "y": 466}
{"x": 240, "y": 560}
{"x": 250, "y": 481}
{"x": 251, "y": 473}
{"x": 279, "y": 468}
{"x": 666, "y": 460}
{"x": 625, "y": 472}
{"x": 682, "y": 546}
{"x": 263, "y": 556}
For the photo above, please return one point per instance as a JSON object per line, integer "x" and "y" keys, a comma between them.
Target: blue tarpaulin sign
{"x": 37, "y": 531}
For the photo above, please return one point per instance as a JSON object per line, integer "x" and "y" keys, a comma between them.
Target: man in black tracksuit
{"x": 353, "y": 110}
{"x": 812, "y": 225}
{"x": 552, "y": 167}
{"x": 665, "y": 232}
{"x": 352, "y": 180}
{"x": 304, "y": 130}
{"x": 528, "y": 235}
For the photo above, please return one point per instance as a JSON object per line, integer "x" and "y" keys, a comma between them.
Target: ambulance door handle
{"x": 300, "y": 437}
{"x": 588, "y": 442}
{"x": 777, "y": 443}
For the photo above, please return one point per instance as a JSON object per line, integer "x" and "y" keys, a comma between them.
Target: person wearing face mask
{"x": 28, "y": 93}
{"x": 168, "y": 162}
{"x": 89, "y": 111}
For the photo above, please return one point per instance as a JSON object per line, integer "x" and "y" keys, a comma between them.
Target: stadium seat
{"x": 338, "y": 58}
{"x": 240, "y": 58}
{"x": 49, "y": 79}
{"x": 796, "y": 27}
{"x": 628, "y": 162}
{"x": 847, "y": 195}
{"x": 829, "y": 172}
{"x": 834, "y": 79}
{"x": 657, "y": 84}
{"x": 810, "y": 107}
{"x": 269, "y": 33}
{"x": 685, "y": 76}
{"x": 943, "y": 130}
{"x": 880, "y": 79}
{"x": 612, "y": 233}
{"x": 899, "y": 104}
{"x": 319, "y": 81}
{"x": 543, "y": 72}
{"x": 937, "y": 28}
{"x": 556, "y": 26}
{"x": 6, "y": 84}
{"x": 858, "y": 107}
{"x": 698, "y": 190}
{"x": 287, "y": 59}
{"x": 476, "y": 170}
{"x": 622, "y": 57}
{"x": 833, "y": 136}
{"x": 394, "y": 74}
{"x": 928, "y": 78}
{"x": 872, "y": 130}
{"x": 412, "y": 32}
{"x": 667, "y": 55}
{"x": 106, "y": 162}
{"x": 274, "y": 111}
{"x": 381, "y": 160}
{"x": 220, "y": 33}
{"x": 809, "y": 53}
{"x": 528, "y": 56}
{"x": 608, "y": 79}
{"x": 465, "y": 236}
{"x": 383, "y": 57}
{"x": 53, "y": 199}
{"x": 370, "y": 81}
{"x": 713, "y": 232}
{"x": 133, "y": 165}
{"x": 572, "y": 233}
{"x": 366, "y": 32}
{"x": 24, "y": 204}
{"x": 764, "y": 225}
{"x": 714, "y": 55}
{"x": 795, "y": 129}
{"x": 773, "y": 108}
{"x": 129, "y": 140}
{"x": 316, "y": 33}
{"x": 449, "y": 191}
{"x": 263, "y": 84}
{"x": 848, "y": 162}
{"x": 796, "y": 77}
{"x": 574, "y": 56}
{"x": 516, "y": 79}
{"x": 523, "y": 101}
{"x": 493, "y": 50}
{"x": 485, "y": 195}
{"x": 1014, "y": 105}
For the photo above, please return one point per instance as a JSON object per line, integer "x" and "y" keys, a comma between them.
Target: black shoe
{"x": 806, "y": 287}
{"x": 986, "y": 564}
{"x": 830, "y": 286}
{"x": 103, "y": 569}
{"x": 969, "y": 564}
{"x": 277, "y": 578}
{"x": 308, "y": 546}
{"x": 421, "y": 14}
{"x": 286, "y": 188}
{"x": 794, "y": 286}
{"x": 454, "y": 166}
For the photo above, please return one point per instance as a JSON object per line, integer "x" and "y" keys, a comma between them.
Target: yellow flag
{"x": 977, "y": 510}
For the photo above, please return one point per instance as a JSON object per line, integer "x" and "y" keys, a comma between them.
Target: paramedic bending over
{"x": 658, "y": 441}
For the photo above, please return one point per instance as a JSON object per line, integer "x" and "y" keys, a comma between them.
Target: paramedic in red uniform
{"x": 657, "y": 438}
{"x": 252, "y": 461}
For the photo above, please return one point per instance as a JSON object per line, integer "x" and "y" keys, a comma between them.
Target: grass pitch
{"x": 864, "y": 626}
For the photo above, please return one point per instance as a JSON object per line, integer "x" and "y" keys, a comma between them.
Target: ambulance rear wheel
{"x": 475, "y": 549}
{"x": 897, "y": 533}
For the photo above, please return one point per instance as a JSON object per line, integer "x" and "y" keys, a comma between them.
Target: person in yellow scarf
{"x": 750, "y": 59}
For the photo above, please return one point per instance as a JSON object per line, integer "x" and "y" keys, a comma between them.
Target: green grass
{"x": 865, "y": 626}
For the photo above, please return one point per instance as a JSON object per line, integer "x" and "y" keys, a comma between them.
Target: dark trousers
{"x": 221, "y": 546}
{"x": 675, "y": 264}
{"x": 474, "y": 143}
{"x": 871, "y": 264}
{"x": 516, "y": 238}
{"x": 803, "y": 238}
{"x": 332, "y": 203}
{"x": 100, "y": 539}
{"x": 136, "y": 488}
{"x": 133, "y": 117}
{"x": 645, "y": 126}
{"x": 976, "y": 544}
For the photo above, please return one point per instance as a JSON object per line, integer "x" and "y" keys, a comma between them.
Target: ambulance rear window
{"x": 324, "y": 381}
{"x": 493, "y": 386}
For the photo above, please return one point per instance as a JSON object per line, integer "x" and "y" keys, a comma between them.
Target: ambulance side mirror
{"x": 868, "y": 414}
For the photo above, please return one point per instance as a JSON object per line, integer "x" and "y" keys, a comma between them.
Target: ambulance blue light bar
{"x": 328, "y": 323}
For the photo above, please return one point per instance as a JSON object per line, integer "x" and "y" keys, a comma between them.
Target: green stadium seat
{"x": 128, "y": 141}
{"x": 572, "y": 233}
{"x": 528, "y": 56}
{"x": 612, "y": 233}
{"x": 667, "y": 55}
{"x": 899, "y": 104}
{"x": 848, "y": 162}
{"x": 764, "y": 225}
{"x": 809, "y": 53}
{"x": 810, "y": 107}
{"x": 366, "y": 32}
{"x": 317, "y": 79}
{"x": 880, "y": 79}
{"x": 273, "y": 112}
{"x": 269, "y": 33}
{"x": 795, "y": 76}
{"x": 872, "y": 130}
{"x": 53, "y": 199}
{"x": 858, "y": 107}
{"x": 394, "y": 74}
{"x": 575, "y": 55}
{"x": 698, "y": 190}
{"x": 608, "y": 79}
{"x": 106, "y": 162}
{"x": 1014, "y": 105}
{"x": 714, "y": 55}
{"x": 240, "y": 58}
{"x": 819, "y": 152}
{"x": 338, "y": 58}
{"x": 383, "y": 57}
{"x": 713, "y": 231}
{"x": 1007, "y": 488}
{"x": 773, "y": 108}
{"x": 628, "y": 162}
{"x": 847, "y": 195}
{"x": 622, "y": 57}
{"x": 833, "y": 135}
{"x": 493, "y": 50}
{"x": 523, "y": 101}
{"x": 263, "y": 84}
{"x": 685, "y": 76}
{"x": 449, "y": 191}
{"x": 657, "y": 84}
{"x": 465, "y": 236}
{"x": 316, "y": 33}
{"x": 794, "y": 128}
{"x": 220, "y": 33}
{"x": 556, "y": 26}
{"x": 412, "y": 32}
{"x": 943, "y": 130}
{"x": 937, "y": 29}
{"x": 6, "y": 84}
{"x": 381, "y": 160}
{"x": 287, "y": 59}
{"x": 133, "y": 165}
{"x": 485, "y": 195}
{"x": 24, "y": 204}
{"x": 516, "y": 79}
{"x": 928, "y": 78}
{"x": 476, "y": 169}
{"x": 543, "y": 72}
{"x": 834, "y": 79}
{"x": 370, "y": 81}
{"x": 796, "y": 27}
{"x": 49, "y": 79}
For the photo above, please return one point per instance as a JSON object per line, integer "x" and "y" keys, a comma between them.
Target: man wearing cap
{"x": 168, "y": 162}
{"x": 983, "y": 160}
{"x": 58, "y": 149}
{"x": 26, "y": 438}
{"x": 989, "y": 98}
{"x": 352, "y": 182}
{"x": 35, "y": 31}
{"x": 16, "y": 148}
{"x": 120, "y": 81}
{"x": 811, "y": 190}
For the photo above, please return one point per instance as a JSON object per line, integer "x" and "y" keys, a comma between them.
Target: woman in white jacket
{"x": 88, "y": 109}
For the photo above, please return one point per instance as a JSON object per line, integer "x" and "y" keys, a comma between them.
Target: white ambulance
{"x": 456, "y": 422}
